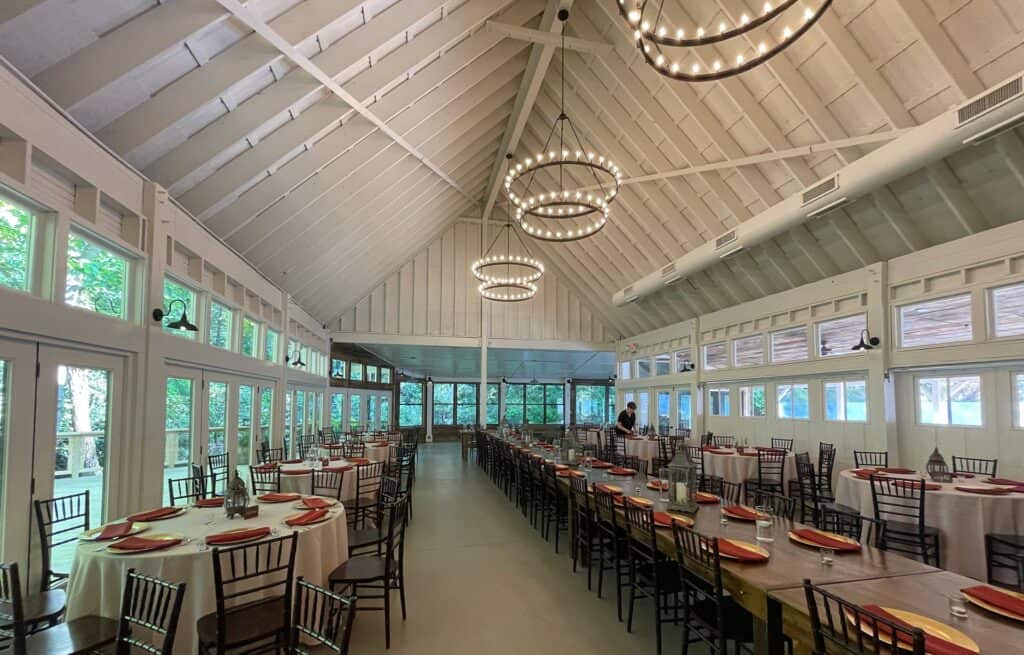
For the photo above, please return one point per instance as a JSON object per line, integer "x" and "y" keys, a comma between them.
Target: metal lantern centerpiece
{"x": 937, "y": 469}
{"x": 683, "y": 483}
{"x": 236, "y": 498}
{"x": 570, "y": 448}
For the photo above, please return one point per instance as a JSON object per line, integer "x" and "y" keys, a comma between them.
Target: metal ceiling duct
{"x": 984, "y": 117}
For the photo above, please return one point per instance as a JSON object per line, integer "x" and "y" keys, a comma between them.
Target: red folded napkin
{"x": 210, "y": 502}
{"x": 619, "y": 470}
{"x": 115, "y": 530}
{"x": 994, "y": 491}
{"x": 306, "y": 518}
{"x": 301, "y": 471}
{"x": 996, "y": 597}
{"x": 866, "y": 475}
{"x": 932, "y": 644}
{"x": 155, "y": 514}
{"x": 704, "y": 498}
{"x": 1004, "y": 481}
{"x": 826, "y": 541}
{"x": 657, "y": 486}
{"x": 916, "y": 484}
{"x": 728, "y": 548}
{"x": 719, "y": 451}
{"x": 604, "y": 488}
{"x": 273, "y": 497}
{"x": 662, "y": 519}
{"x": 292, "y": 461}
{"x": 963, "y": 475}
{"x": 570, "y": 474}
{"x": 359, "y": 461}
{"x": 598, "y": 464}
{"x": 899, "y": 470}
{"x": 561, "y": 467}
{"x": 338, "y": 469}
{"x": 141, "y": 543}
{"x": 236, "y": 535}
{"x": 315, "y": 503}
{"x": 265, "y": 467}
{"x": 741, "y": 512}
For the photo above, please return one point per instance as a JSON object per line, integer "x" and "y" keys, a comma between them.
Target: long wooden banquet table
{"x": 771, "y": 591}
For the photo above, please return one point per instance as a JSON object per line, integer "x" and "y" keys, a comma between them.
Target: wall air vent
{"x": 728, "y": 244}
{"x": 820, "y": 190}
{"x": 989, "y": 101}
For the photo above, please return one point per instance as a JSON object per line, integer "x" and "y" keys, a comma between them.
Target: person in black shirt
{"x": 626, "y": 422}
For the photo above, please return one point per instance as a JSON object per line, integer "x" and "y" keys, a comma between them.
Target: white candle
{"x": 681, "y": 493}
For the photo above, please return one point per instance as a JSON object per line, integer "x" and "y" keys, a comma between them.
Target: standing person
{"x": 626, "y": 423}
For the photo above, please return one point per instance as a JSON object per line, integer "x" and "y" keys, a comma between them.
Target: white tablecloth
{"x": 644, "y": 448}
{"x": 737, "y": 468}
{"x": 373, "y": 453}
{"x": 97, "y": 578}
{"x": 301, "y": 483}
{"x": 962, "y": 518}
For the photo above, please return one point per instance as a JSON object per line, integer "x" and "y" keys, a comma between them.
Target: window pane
{"x": 244, "y": 428}
{"x": 466, "y": 395}
{"x": 643, "y": 408}
{"x": 683, "y": 361}
{"x": 220, "y": 325}
{"x": 410, "y": 404}
{"x": 752, "y": 403}
{"x": 535, "y": 414}
{"x": 355, "y": 371}
{"x": 337, "y": 410}
{"x": 664, "y": 417}
{"x": 514, "y": 394}
{"x": 270, "y": 346}
{"x": 535, "y": 394}
{"x": 338, "y": 368}
{"x": 801, "y": 401}
{"x": 553, "y": 414}
{"x": 856, "y": 401}
{"x": 177, "y": 428}
{"x": 834, "y": 405}
{"x": 174, "y": 292}
{"x": 444, "y": 393}
{"x": 555, "y": 393}
{"x": 250, "y": 336}
{"x": 493, "y": 393}
{"x": 217, "y": 416}
{"x": 371, "y": 373}
{"x": 16, "y": 226}
{"x": 1007, "y": 309}
{"x": 789, "y": 345}
{"x": 718, "y": 402}
{"x": 748, "y": 351}
{"x": 643, "y": 368}
{"x": 385, "y": 375}
{"x": 443, "y": 414}
{"x": 945, "y": 320}
{"x": 1018, "y": 396}
{"x": 933, "y": 401}
{"x": 837, "y": 337}
{"x": 716, "y": 356}
{"x": 266, "y": 415}
{"x": 591, "y": 400}
{"x": 662, "y": 364}
{"x": 514, "y": 414}
{"x": 625, "y": 369}
{"x": 965, "y": 400}
{"x": 467, "y": 415}
{"x": 784, "y": 400}
{"x": 685, "y": 409}
{"x": 97, "y": 278}
{"x": 355, "y": 411}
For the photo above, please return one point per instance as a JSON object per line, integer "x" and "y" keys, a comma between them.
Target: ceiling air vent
{"x": 668, "y": 274}
{"x": 820, "y": 190}
{"x": 629, "y": 295}
{"x": 989, "y": 101}
{"x": 727, "y": 244}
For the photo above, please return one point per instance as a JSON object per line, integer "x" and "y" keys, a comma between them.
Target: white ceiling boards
{"x": 331, "y": 142}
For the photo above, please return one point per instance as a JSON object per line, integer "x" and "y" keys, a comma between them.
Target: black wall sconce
{"x": 867, "y": 342}
{"x": 298, "y": 360}
{"x": 182, "y": 323}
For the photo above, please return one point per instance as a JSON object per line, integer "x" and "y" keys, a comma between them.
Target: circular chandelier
{"x": 507, "y": 276}
{"x": 691, "y": 53}
{"x": 579, "y": 185}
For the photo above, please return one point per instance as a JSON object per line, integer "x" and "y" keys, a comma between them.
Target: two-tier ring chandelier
{"x": 697, "y": 53}
{"x": 507, "y": 275}
{"x": 573, "y": 199}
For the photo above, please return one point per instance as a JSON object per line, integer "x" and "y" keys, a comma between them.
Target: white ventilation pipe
{"x": 982, "y": 118}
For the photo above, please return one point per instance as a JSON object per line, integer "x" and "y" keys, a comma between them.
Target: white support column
{"x": 881, "y": 390}
{"x": 482, "y": 394}
{"x": 501, "y": 400}
{"x": 428, "y": 388}
{"x": 567, "y": 403}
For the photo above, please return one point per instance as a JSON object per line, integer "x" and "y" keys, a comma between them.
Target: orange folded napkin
{"x": 619, "y": 470}
{"x": 866, "y": 475}
{"x": 274, "y": 497}
{"x": 916, "y": 484}
{"x": 963, "y": 475}
{"x": 606, "y": 489}
{"x": 561, "y": 467}
{"x": 210, "y": 502}
{"x": 155, "y": 514}
{"x": 741, "y": 512}
{"x": 728, "y": 548}
{"x": 1004, "y": 481}
{"x": 115, "y": 530}
{"x": 338, "y": 469}
{"x": 306, "y": 518}
{"x": 359, "y": 461}
{"x": 141, "y": 543}
{"x": 657, "y": 485}
{"x": 932, "y": 644}
{"x": 236, "y": 535}
{"x": 705, "y": 498}
{"x": 994, "y": 491}
{"x": 313, "y": 502}
{"x": 826, "y": 541}
{"x": 996, "y": 597}
{"x": 570, "y": 474}
{"x": 302, "y": 471}
{"x": 898, "y": 470}
{"x": 598, "y": 464}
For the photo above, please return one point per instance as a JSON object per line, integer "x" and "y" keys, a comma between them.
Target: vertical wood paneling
{"x": 363, "y": 315}
{"x": 434, "y": 289}
{"x": 406, "y": 301}
{"x": 391, "y": 298}
{"x": 447, "y": 308}
{"x": 377, "y": 309}
{"x": 473, "y": 235}
{"x": 461, "y": 262}
{"x": 420, "y": 298}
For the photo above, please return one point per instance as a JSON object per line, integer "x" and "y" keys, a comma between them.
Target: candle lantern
{"x": 570, "y": 450}
{"x": 681, "y": 474}
{"x": 236, "y": 498}
{"x": 937, "y": 469}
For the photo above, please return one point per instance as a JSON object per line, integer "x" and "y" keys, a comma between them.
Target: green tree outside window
{"x": 97, "y": 278}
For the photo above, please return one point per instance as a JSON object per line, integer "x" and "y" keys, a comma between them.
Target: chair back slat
{"x": 723, "y": 441}
{"x": 150, "y": 607}
{"x": 777, "y": 504}
{"x": 323, "y": 616}
{"x": 12, "y": 610}
{"x": 840, "y": 627}
{"x": 975, "y": 466}
{"x": 184, "y": 489}
{"x": 217, "y": 466}
{"x": 863, "y": 458}
{"x": 327, "y": 483}
{"x": 59, "y": 521}
{"x": 782, "y": 443}
{"x": 265, "y": 479}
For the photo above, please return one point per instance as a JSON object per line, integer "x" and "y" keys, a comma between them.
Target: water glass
{"x": 828, "y": 555}
{"x": 764, "y": 525}
{"x": 958, "y": 606}
{"x": 663, "y": 491}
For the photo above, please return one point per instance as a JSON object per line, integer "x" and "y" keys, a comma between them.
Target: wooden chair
{"x": 305, "y": 444}
{"x": 265, "y": 479}
{"x": 327, "y": 483}
{"x": 59, "y": 521}
{"x": 771, "y": 468}
{"x": 323, "y": 616}
{"x": 709, "y": 615}
{"x": 584, "y": 537}
{"x": 806, "y": 488}
{"x": 782, "y": 444}
{"x": 367, "y": 482}
{"x": 150, "y": 608}
{"x": 217, "y": 466}
{"x": 556, "y": 506}
{"x": 863, "y": 458}
{"x": 851, "y": 630}
{"x": 1005, "y": 552}
{"x": 634, "y": 462}
{"x": 847, "y": 524}
{"x": 900, "y": 510}
{"x": 614, "y": 545}
{"x": 252, "y": 585}
{"x": 826, "y": 464}
{"x": 385, "y": 573}
{"x": 187, "y": 489}
{"x": 975, "y": 466}
{"x": 197, "y": 472}
{"x": 651, "y": 574}
{"x": 19, "y": 623}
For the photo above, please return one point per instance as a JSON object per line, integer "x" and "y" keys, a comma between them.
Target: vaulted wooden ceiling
{"x": 328, "y": 141}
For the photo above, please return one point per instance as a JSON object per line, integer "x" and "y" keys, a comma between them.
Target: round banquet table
{"x": 97, "y": 576}
{"x": 373, "y": 452}
{"x": 642, "y": 447}
{"x": 962, "y": 518}
{"x": 736, "y": 468}
{"x": 296, "y": 478}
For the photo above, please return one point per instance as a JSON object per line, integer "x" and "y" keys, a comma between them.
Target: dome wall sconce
{"x": 182, "y": 323}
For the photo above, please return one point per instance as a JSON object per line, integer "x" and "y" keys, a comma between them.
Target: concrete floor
{"x": 481, "y": 581}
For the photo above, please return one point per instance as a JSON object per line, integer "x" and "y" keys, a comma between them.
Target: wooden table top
{"x": 927, "y": 595}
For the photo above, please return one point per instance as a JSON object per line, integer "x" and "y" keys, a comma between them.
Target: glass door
{"x": 338, "y": 411}
{"x": 17, "y": 397}
{"x": 181, "y": 420}
{"x": 684, "y": 408}
{"x": 385, "y": 411}
{"x": 664, "y": 416}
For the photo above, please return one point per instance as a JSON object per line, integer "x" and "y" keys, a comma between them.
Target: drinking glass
{"x": 828, "y": 555}
{"x": 958, "y": 606}
{"x": 663, "y": 491}
{"x": 764, "y": 525}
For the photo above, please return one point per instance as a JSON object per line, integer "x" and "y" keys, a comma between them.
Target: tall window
{"x": 466, "y": 407}
{"x": 1018, "y": 401}
{"x": 371, "y": 373}
{"x": 338, "y": 368}
{"x": 950, "y": 400}
{"x": 270, "y": 347}
{"x": 846, "y": 401}
{"x": 1007, "y": 310}
{"x": 545, "y": 403}
{"x": 643, "y": 367}
{"x": 643, "y": 409}
{"x": 944, "y": 320}
{"x": 664, "y": 411}
{"x": 718, "y": 402}
{"x": 684, "y": 409}
{"x": 410, "y": 404}
{"x": 493, "y": 397}
{"x": 444, "y": 403}
{"x": 515, "y": 395}
{"x": 355, "y": 371}
{"x": 221, "y": 318}
{"x": 250, "y": 336}
{"x": 172, "y": 293}
{"x": 17, "y": 225}
{"x": 716, "y": 356}
{"x": 662, "y": 364}
{"x": 793, "y": 401}
{"x": 591, "y": 401}
{"x": 385, "y": 375}
{"x": 789, "y": 345}
{"x": 752, "y": 402}
{"x": 97, "y": 278}
{"x": 748, "y": 351}
{"x": 837, "y": 337}
{"x": 625, "y": 370}
{"x": 337, "y": 410}
{"x": 266, "y": 414}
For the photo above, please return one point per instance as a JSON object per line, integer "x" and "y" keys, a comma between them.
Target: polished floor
{"x": 482, "y": 581}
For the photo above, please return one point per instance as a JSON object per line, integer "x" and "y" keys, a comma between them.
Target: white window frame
{"x": 898, "y": 321}
{"x": 838, "y": 350}
{"x": 668, "y": 356}
{"x": 680, "y": 356}
{"x": 842, "y": 401}
{"x": 234, "y": 338}
{"x": 626, "y": 370}
{"x": 40, "y": 235}
{"x": 1018, "y": 415}
{"x": 258, "y": 345}
{"x": 746, "y": 393}
{"x": 751, "y": 338}
{"x": 793, "y": 385}
{"x": 990, "y": 300}
{"x": 719, "y": 391}
{"x": 704, "y": 355}
{"x": 636, "y": 368}
{"x": 949, "y": 409}
{"x": 131, "y": 288}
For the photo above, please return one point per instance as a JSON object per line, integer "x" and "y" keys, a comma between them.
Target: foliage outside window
{"x": 846, "y": 401}
{"x": 643, "y": 367}
{"x": 466, "y": 407}
{"x": 662, "y": 364}
{"x": 177, "y": 422}
{"x": 266, "y": 414}
{"x": 371, "y": 373}
{"x": 592, "y": 403}
{"x": 493, "y": 398}
{"x": 752, "y": 402}
{"x": 174, "y": 292}
{"x": 17, "y": 226}
{"x": 337, "y": 411}
{"x": 270, "y": 342}
{"x": 684, "y": 409}
{"x": 355, "y": 412}
{"x": 718, "y": 402}
{"x": 716, "y": 356}
{"x": 611, "y": 405}
{"x": 355, "y": 371}
{"x": 338, "y": 368}
{"x": 250, "y": 336}
{"x": 1008, "y": 310}
{"x": 515, "y": 395}
{"x": 789, "y": 345}
{"x": 950, "y": 400}
{"x": 97, "y": 278}
{"x": 410, "y": 404}
{"x": 444, "y": 403}
{"x": 837, "y": 337}
{"x": 933, "y": 322}
{"x": 538, "y": 404}
{"x": 625, "y": 370}
{"x": 221, "y": 318}
{"x": 793, "y": 401}
{"x": 385, "y": 375}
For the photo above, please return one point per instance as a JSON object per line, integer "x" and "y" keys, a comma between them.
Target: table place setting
{"x": 112, "y": 531}
{"x": 821, "y": 539}
{"x": 158, "y": 514}
{"x": 623, "y": 471}
{"x": 237, "y": 536}
{"x": 149, "y": 543}
{"x": 990, "y": 490}
{"x": 274, "y": 498}
{"x": 939, "y": 638}
{"x": 1003, "y": 602}
{"x": 666, "y": 519}
{"x": 742, "y": 551}
{"x": 743, "y": 513}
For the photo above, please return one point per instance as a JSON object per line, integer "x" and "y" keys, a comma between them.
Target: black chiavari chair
{"x": 975, "y": 466}
{"x": 826, "y": 464}
{"x": 150, "y": 608}
{"x": 585, "y": 540}
{"x": 371, "y": 539}
{"x": 352, "y": 449}
{"x": 556, "y": 506}
{"x": 271, "y": 455}
{"x": 613, "y": 549}
{"x": 900, "y": 509}
{"x": 305, "y": 444}
{"x": 322, "y": 616}
{"x": 651, "y": 574}
{"x": 806, "y": 484}
{"x": 1004, "y": 560}
{"x": 367, "y": 483}
{"x": 723, "y": 441}
{"x": 634, "y": 462}
{"x": 327, "y": 482}
{"x": 59, "y": 521}
{"x": 771, "y": 468}
{"x": 849, "y": 629}
{"x": 864, "y": 458}
{"x": 265, "y": 479}
{"x": 777, "y": 504}
{"x": 217, "y": 467}
{"x": 187, "y": 489}
{"x": 782, "y": 444}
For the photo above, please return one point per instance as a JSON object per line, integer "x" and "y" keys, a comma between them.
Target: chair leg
{"x": 618, "y": 581}
{"x": 387, "y": 615}
{"x": 632, "y": 593}
{"x": 657, "y": 618}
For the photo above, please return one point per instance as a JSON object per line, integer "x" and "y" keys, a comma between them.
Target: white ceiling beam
{"x": 549, "y": 38}
{"x": 937, "y": 41}
{"x": 853, "y": 238}
{"x": 299, "y": 59}
{"x": 892, "y": 209}
{"x": 540, "y": 58}
{"x": 956, "y": 198}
